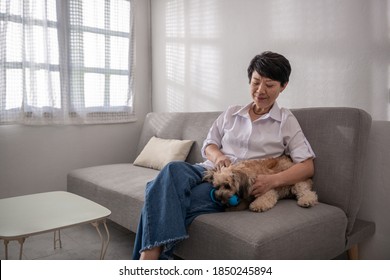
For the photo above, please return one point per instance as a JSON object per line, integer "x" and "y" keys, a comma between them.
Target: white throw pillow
{"x": 158, "y": 152}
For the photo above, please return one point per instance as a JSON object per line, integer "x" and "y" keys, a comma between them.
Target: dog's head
{"x": 229, "y": 183}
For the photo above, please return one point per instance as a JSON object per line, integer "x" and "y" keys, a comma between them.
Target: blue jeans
{"x": 172, "y": 201}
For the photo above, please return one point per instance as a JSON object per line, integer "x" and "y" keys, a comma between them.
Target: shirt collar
{"x": 275, "y": 112}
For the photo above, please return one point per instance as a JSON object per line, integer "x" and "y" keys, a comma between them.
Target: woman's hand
{"x": 222, "y": 161}
{"x": 263, "y": 184}
{"x": 214, "y": 154}
{"x": 296, "y": 173}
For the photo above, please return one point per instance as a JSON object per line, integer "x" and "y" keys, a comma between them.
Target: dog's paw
{"x": 309, "y": 199}
{"x": 264, "y": 202}
{"x": 257, "y": 206}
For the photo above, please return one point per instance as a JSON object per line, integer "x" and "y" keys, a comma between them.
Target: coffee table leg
{"x": 21, "y": 242}
{"x": 104, "y": 241}
{"x": 6, "y": 248}
{"x": 57, "y": 239}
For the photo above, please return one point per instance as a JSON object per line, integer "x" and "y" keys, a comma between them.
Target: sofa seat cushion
{"x": 283, "y": 232}
{"x": 119, "y": 187}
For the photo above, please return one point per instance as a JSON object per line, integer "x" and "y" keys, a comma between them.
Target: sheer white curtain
{"x": 66, "y": 61}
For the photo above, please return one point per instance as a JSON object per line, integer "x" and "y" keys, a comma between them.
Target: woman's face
{"x": 264, "y": 92}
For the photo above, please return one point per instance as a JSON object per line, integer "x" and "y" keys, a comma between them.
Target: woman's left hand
{"x": 296, "y": 173}
{"x": 263, "y": 184}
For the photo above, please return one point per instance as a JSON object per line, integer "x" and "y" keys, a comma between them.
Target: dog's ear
{"x": 241, "y": 179}
{"x": 209, "y": 175}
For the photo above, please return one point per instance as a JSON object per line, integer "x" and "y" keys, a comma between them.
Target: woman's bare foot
{"x": 151, "y": 254}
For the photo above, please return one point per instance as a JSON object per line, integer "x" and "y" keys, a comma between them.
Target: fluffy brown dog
{"x": 239, "y": 178}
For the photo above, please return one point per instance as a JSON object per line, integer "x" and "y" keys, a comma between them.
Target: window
{"x": 66, "y": 61}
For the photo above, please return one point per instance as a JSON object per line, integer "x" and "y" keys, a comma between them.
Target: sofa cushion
{"x": 179, "y": 125}
{"x": 284, "y": 232}
{"x": 158, "y": 152}
{"x": 120, "y": 187}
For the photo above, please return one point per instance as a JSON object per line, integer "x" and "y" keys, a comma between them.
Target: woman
{"x": 258, "y": 130}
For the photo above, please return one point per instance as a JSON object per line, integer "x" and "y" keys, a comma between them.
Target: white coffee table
{"x": 24, "y": 216}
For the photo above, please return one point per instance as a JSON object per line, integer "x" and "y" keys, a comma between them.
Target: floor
{"x": 78, "y": 243}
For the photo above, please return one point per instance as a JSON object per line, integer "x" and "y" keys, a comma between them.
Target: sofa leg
{"x": 353, "y": 253}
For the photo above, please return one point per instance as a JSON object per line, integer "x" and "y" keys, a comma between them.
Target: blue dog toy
{"x": 233, "y": 201}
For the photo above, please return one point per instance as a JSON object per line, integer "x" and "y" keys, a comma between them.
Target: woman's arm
{"x": 296, "y": 173}
{"x": 214, "y": 154}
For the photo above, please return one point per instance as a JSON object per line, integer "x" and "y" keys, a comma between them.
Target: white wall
{"x": 339, "y": 51}
{"x": 37, "y": 159}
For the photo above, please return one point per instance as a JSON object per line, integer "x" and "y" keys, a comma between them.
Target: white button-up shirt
{"x": 273, "y": 134}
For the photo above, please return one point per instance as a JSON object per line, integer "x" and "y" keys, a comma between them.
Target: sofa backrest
{"x": 339, "y": 139}
{"x": 338, "y": 136}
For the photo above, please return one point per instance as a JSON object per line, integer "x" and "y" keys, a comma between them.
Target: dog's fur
{"x": 239, "y": 178}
